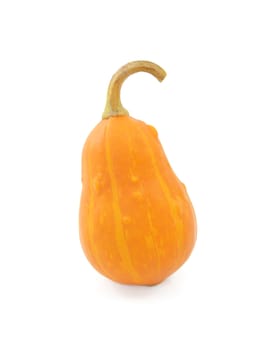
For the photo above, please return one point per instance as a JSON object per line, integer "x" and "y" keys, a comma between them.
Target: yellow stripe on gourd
{"x": 119, "y": 232}
{"x": 166, "y": 191}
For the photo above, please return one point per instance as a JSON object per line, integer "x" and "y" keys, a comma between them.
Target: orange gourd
{"x": 137, "y": 223}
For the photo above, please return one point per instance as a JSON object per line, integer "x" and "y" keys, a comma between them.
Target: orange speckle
{"x": 97, "y": 182}
{"x": 137, "y": 195}
{"x": 134, "y": 178}
{"x": 126, "y": 220}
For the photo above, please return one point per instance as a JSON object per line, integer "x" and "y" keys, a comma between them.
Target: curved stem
{"x": 113, "y": 105}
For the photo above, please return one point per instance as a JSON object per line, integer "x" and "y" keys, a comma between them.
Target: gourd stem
{"x": 113, "y": 105}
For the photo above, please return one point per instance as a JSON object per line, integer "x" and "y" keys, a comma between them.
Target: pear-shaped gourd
{"x": 137, "y": 223}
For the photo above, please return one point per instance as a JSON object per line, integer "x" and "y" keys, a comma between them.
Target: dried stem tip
{"x": 113, "y": 104}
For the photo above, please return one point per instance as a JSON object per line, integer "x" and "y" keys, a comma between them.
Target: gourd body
{"x": 137, "y": 223}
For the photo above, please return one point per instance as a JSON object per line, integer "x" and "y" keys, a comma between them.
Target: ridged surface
{"x": 137, "y": 224}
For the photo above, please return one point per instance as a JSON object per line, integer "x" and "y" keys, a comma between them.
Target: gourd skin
{"x": 137, "y": 223}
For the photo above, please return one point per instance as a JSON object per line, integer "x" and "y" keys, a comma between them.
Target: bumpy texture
{"x": 137, "y": 224}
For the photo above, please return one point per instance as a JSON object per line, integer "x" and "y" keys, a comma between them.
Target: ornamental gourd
{"x": 137, "y": 223}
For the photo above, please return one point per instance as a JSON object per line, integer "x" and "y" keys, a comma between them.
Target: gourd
{"x": 137, "y": 223}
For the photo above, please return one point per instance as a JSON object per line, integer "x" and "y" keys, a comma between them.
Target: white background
{"x": 216, "y": 116}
